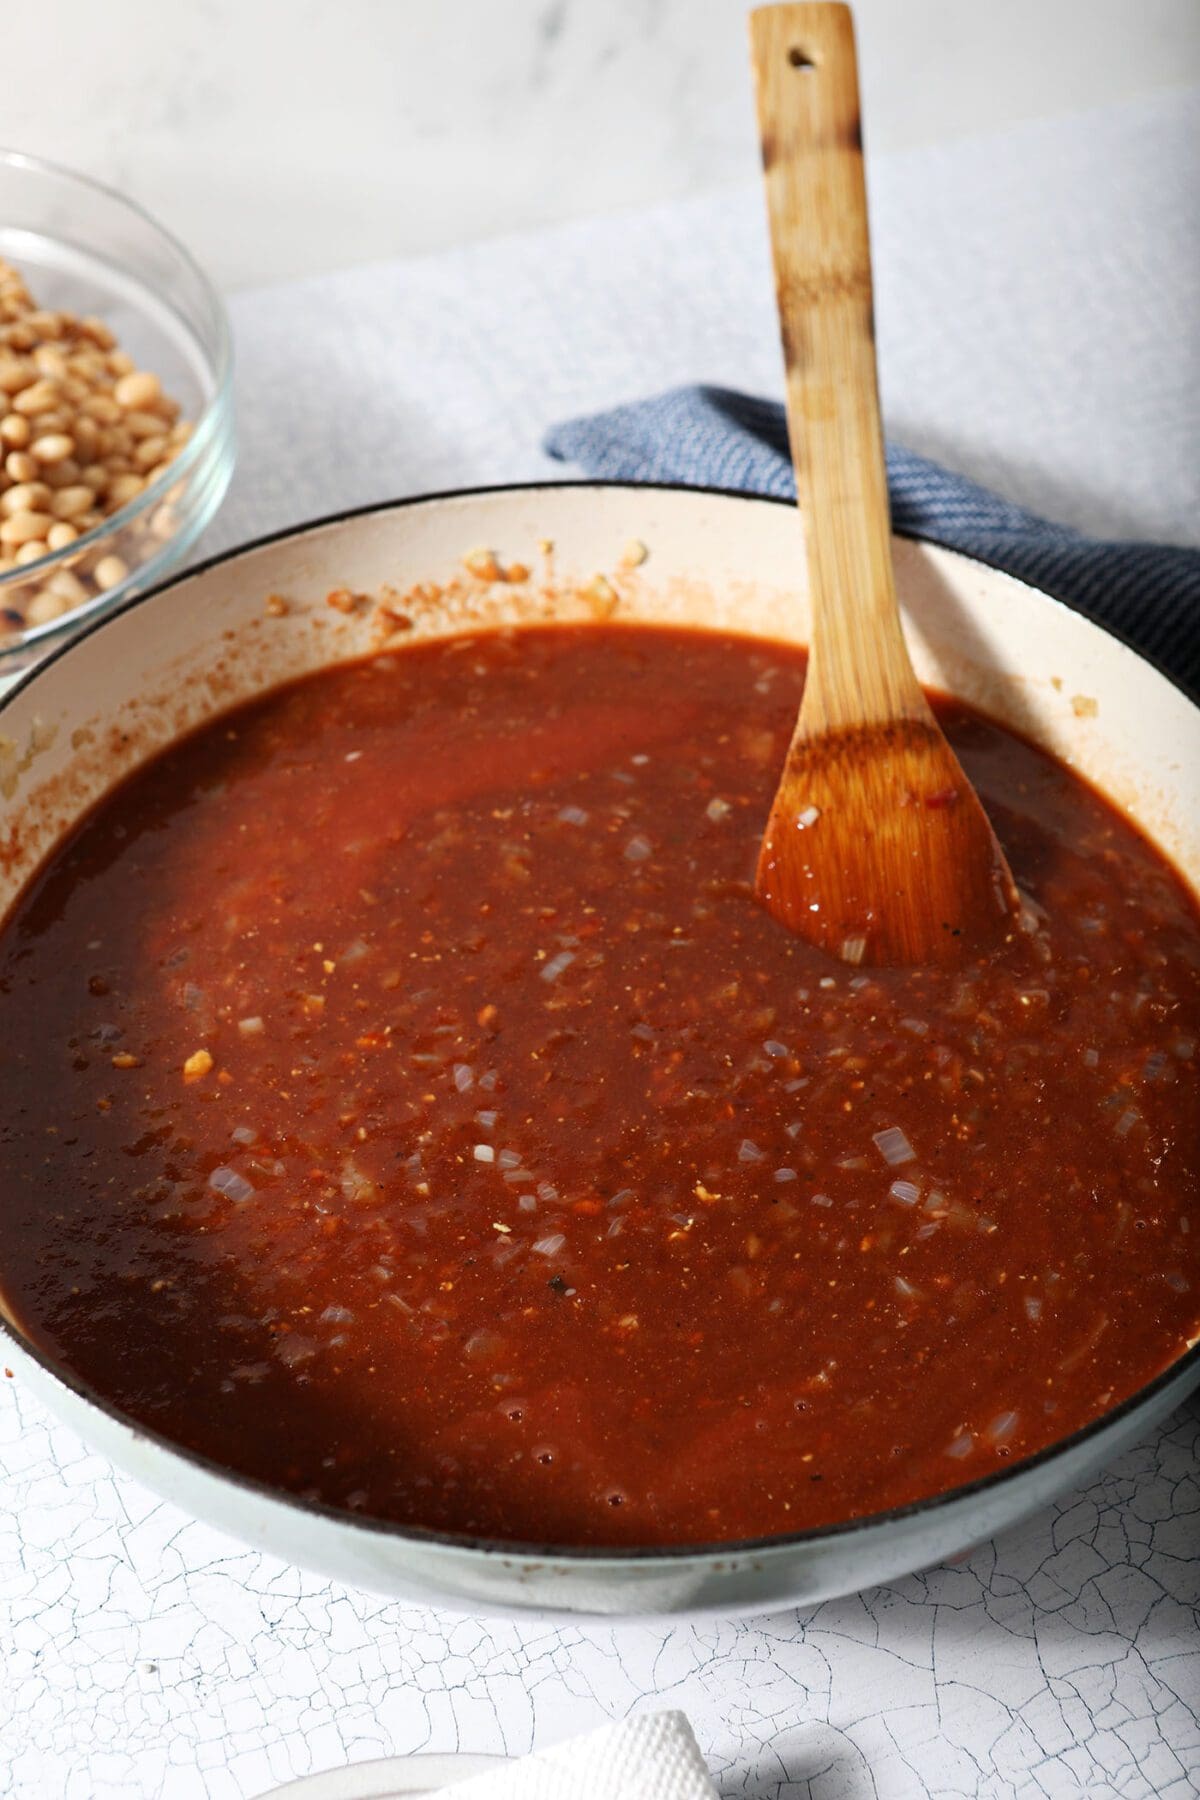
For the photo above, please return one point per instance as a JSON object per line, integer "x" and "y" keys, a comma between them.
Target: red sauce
{"x": 528, "y": 1180}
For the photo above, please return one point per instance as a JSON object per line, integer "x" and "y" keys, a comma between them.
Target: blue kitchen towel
{"x": 1148, "y": 594}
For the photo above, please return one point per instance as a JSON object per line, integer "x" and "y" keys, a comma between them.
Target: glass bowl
{"x": 84, "y": 249}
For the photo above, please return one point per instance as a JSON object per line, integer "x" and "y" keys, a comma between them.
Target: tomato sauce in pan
{"x": 406, "y": 1103}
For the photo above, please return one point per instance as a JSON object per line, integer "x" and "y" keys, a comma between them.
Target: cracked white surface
{"x": 146, "y": 1655}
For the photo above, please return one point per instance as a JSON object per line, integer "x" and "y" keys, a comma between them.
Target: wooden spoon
{"x": 877, "y": 847}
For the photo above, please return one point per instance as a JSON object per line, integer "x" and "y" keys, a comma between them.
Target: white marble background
{"x": 1038, "y": 291}
{"x": 283, "y": 137}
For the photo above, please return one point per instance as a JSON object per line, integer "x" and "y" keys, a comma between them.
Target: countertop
{"x": 1037, "y": 301}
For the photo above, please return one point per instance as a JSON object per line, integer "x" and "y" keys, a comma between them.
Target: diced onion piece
{"x": 549, "y": 1246}
{"x": 717, "y": 810}
{"x": 554, "y": 968}
{"x": 807, "y": 817}
{"x": 1002, "y": 1426}
{"x": 251, "y": 1027}
{"x": 893, "y": 1146}
{"x": 464, "y": 1076}
{"x": 906, "y": 1192}
{"x": 961, "y": 1446}
{"x": 638, "y": 848}
{"x": 572, "y": 815}
{"x": 483, "y": 1346}
{"x": 357, "y": 1184}
{"x": 484, "y": 1153}
{"x": 227, "y": 1181}
{"x": 748, "y": 1151}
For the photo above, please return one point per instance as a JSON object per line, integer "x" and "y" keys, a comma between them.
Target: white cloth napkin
{"x": 1032, "y": 288}
{"x": 653, "y": 1756}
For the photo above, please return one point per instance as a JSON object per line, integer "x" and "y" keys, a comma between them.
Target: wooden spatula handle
{"x": 807, "y": 87}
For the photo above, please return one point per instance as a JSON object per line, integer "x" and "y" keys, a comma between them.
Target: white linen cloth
{"x": 1036, "y": 299}
{"x": 652, "y": 1756}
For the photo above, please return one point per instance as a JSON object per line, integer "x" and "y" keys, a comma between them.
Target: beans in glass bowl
{"x": 116, "y": 413}
{"x": 84, "y": 432}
